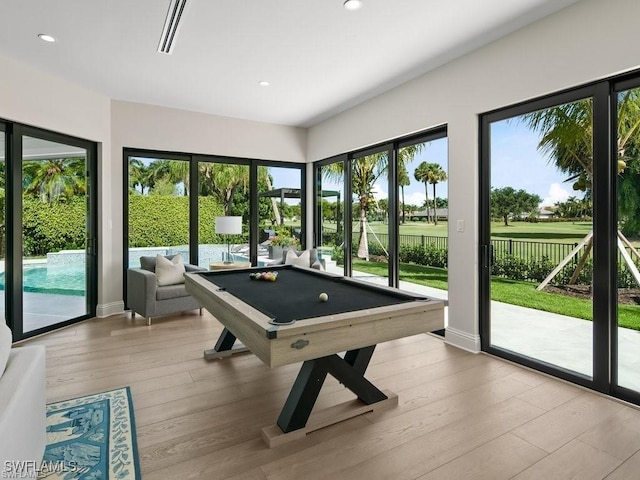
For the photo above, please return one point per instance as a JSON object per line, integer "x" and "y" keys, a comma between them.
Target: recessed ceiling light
{"x": 353, "y": 4}
{"x": 264, "y": 83}
{"x": 46, "y": 38}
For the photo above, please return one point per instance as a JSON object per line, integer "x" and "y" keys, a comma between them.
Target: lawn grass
{"x": 548, "y": 232}
{"x": 508, "y": 291}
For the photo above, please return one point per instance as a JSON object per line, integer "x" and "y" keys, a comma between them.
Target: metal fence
{"x": 525, "y": 249}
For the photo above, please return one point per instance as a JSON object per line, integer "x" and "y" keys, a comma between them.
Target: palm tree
{"x": 175, "y": 172}
{"x": 55, "y": 179}
{"x": 138, "y": 175}
{"x": 421, "y": 174}
{"x": 567, "y": 136}
{"x": 179, "y": 173}
{"x": 365, "y": 172}
{"x": 435, "y": 175}
{"x": 223, "y": 180}
{"x": 403, "y": 181}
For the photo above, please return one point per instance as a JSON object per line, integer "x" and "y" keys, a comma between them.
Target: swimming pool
{"x": 65, "y": 274}
{"x": 65, "y": 279}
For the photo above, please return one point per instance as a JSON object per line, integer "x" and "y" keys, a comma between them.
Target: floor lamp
{"x": 228, "y": 226}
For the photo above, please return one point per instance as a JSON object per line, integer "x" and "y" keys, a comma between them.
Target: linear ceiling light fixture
{"x": 353, "y": 4}
{"x": 172, "y": 23}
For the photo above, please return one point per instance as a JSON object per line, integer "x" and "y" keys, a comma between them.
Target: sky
{"x": 517, "y": 162}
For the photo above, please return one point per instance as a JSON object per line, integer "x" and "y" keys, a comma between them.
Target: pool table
{"x": 284, "y": 321}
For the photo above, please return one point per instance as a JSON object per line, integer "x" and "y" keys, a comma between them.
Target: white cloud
{"x": 414, "y": 198}
{"x": 378, "y": 192}
{"x": 556, "y": 194}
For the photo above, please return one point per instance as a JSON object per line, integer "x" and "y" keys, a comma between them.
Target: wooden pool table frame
{"x": 317, "y": 342}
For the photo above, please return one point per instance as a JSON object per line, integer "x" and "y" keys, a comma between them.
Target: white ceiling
{"x": 320, "y": 58}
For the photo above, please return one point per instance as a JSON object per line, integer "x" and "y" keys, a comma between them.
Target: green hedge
{"x": 429, "y": 255}
{"x": 536, "y": 270}
{"x": 159, "y": 220}
{"x": 52, "y": 227}
{"x": 154, "y": 220}
{"x": 508, "y": 266}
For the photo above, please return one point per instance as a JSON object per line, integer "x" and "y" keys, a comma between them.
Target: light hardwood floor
{"x": 460, "y": 416}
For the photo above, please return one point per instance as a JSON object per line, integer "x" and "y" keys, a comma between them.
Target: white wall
{"x": 587, "y": 41}
{"x": 33, "y": 97}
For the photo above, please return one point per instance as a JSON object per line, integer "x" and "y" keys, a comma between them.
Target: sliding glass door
{"x": 158, "y": 207}
{"x": 541, "y": 236}
{"x": 223, "y": 190}
{"x": 49, "y": 244}
{"x": 370, "y": 225}
{"x": 560, "y": 231}
{"x": 423, "y": 214}
{"x": 172, "y": 203}
{"x": 627, "y": 240}
{"x": 330, "y": 213}
{"x": 3, "y": 216}
{"x": 280, "y": 213}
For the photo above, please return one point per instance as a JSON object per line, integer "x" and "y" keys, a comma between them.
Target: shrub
{"x": 161, "y": 220}
{"x": 338, "y": 255}
{"x": 510, "y": 266}
{"x": 53, "y": 227}
{"x": 429, "y": 255}
{"x": 154, "y": 220}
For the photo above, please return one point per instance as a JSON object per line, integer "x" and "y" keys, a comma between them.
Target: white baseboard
{"x": 464, "y": 340}
{"x": 108, "y": 309}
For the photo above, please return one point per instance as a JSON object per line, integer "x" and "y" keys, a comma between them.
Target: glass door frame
{"x": 255, "y": 214}
{"x": 317, "y": 207}
{"x": 194, "y": 160}
{"x": 604, "y": 227}
{"x": 391, "y": 149}
{"x": 347, "y": 159}
{"x": 619, "y": 85}
{"x": 13, "y": 206}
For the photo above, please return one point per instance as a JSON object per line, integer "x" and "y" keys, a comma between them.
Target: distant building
{"x": 544, "y": 212}
{"x": 441, "y": 213}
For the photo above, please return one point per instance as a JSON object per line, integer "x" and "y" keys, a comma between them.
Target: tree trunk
{"x": 435, "y": 214}
{"x": 274, "y": 204}
{"x": 402, "y": 191}
{"x": 506, "y": 220}
{"x": 363, "y": 244}
{"x": 426, "y": 201}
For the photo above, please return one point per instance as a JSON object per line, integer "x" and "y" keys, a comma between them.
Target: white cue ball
{"x": 323, "y": 297}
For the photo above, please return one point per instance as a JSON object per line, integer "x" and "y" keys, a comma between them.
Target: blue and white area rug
{"x": 92, "y": 438}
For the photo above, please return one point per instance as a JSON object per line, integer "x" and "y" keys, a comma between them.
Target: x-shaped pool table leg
{"x": 348, "y": 370}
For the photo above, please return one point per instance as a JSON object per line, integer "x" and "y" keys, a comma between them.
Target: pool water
{"x": 66, "y": 279}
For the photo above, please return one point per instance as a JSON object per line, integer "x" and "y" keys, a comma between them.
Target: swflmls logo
{"x": 33, "y": 469}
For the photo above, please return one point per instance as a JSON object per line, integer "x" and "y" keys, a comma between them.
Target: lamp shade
{"x": 229, "y": 225}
